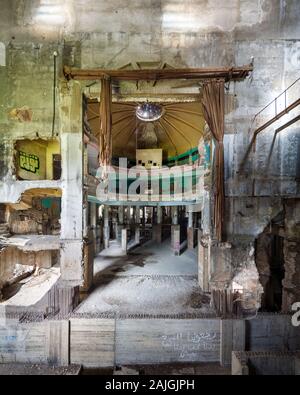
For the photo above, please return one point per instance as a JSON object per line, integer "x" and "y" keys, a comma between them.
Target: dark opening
{"x": 270, "y": 265}
{"x": 56, "y": 166}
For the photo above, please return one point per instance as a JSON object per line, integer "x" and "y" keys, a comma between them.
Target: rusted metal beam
{"x": 278, "y": 116}
{"x": 286, "y": 125}
{"x": 227, "y": 73}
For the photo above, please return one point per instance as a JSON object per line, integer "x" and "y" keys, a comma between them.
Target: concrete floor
{"x": 31, "y": 290}
{"x": 149, "y": 280}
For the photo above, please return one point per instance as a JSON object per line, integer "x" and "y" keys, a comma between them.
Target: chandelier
{"x": 149, "y": 112}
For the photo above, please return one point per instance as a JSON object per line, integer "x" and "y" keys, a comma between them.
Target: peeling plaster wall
{"x": 198, "y": 33}
{"x": 193, "y": 33}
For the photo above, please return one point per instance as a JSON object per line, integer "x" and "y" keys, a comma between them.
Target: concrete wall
{"x": 196, "y": 33}
{"x": 265, "y": 363}
{"x": 106, "y": 341}
{"x": 273, "y": 332}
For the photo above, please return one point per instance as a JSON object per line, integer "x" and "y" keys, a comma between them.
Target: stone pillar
{"x": 206, "y": 214}
{"x": 175, "y": 231}
{"x": 157, "y": 228}
{"x": 124, "y": 239}
{"x": 114, "y": 224}
{"x": 120, "y": 222}
{"x": 191, "y": 236}
{"x": 137, "y": 231}
{"x": 88, "y": 263}
{"x": 174, "y": 213}
{"x": 144, "y": 216}
{"x": 203, "y": 263}
{"x": 72, "y": 202}
{"x": 175, "y": 239}
{"x": 93, "y": 222}
{"x": 106, "y": 229}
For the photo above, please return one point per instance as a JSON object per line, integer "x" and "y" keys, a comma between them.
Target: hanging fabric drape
{"x": 213, "y": 108}
{"x": 105, "y": 137}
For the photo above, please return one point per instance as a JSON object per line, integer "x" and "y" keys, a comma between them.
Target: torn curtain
{"x": 213, "y": 108}
{"x": 105, "y": 137}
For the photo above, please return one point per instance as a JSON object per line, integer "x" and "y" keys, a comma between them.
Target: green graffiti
{"x": 29, "y": 162}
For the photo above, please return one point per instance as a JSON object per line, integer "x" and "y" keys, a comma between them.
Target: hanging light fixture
{"x": 149, "y": 112}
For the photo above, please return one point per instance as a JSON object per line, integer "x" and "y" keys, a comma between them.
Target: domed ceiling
{"x": 178, "y": 130}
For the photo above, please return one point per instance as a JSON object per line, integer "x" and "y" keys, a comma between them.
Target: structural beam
{"x": 227, "y": 73}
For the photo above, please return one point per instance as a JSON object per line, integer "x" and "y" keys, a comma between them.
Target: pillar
{"x": 93, "y": 222}
{"x": 106, "y": 228}
{"x": 191, "y": 236}
{"x": 175, "y": 239}
{"x": 203, "y": 263}
{"x": 124, "y": 239}
{"x": 120, "y": 222}
{"x": 114, "y": 224}
{"x": 137, "y": 232}
{"x": 175, "y": 231}
{"x": 233, "y": 338}
{"x": 174, "y": 213}
{"x": 157, "y": 228}
{"x": 72, "y": 202}
{"x": 144, "y": 216}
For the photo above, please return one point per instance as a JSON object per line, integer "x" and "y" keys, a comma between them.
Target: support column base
{"x": 191, "y": 238}
{"x": 157, "y": 233}
{"x": 175, "y": 239}
{"x": 124, "y": 240}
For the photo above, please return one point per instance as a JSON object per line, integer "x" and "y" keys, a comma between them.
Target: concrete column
{"x": 114, "y": 223}
{"x": 144, "y": 216}
{"x": 175, "y": 231}
{"x": 128, "y": 215}
{"x": 174, "y": 213}
{"x": 72, "y": 213}
{"x": 191, "y": 236}
{"x": 89, "y": 255}
{"x": 93, "y": 222}
{"x": 157, "y": 228}
{"x": 120, "y": 222}
{"x": 190, "y": 217}
{"x": 175, "y": 239}
{"x": 121, "y": 214}
{"x": 233, "y": 338}
{"x": 206, "y": 214}
{"x": 203, "y": 264}
{"x": 93, "y": 215}
{"x": 124, "y": 239}
{"x": 106, "y": 229}
{"x": 137, "y": 224}
{"x": 159, "y": 215}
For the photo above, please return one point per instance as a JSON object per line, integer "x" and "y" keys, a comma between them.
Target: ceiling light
{"x": 149, "y": 112}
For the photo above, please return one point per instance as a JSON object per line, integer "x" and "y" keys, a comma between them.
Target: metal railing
{"x": 283, "y": 98}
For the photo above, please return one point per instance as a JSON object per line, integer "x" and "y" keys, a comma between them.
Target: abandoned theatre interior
{"x": 149, "y": 186}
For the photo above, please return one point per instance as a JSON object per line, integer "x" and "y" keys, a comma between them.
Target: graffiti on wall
{"x": 29, "y": 162}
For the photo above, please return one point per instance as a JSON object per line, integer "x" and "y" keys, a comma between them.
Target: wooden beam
{"x": 227, "y": 73}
